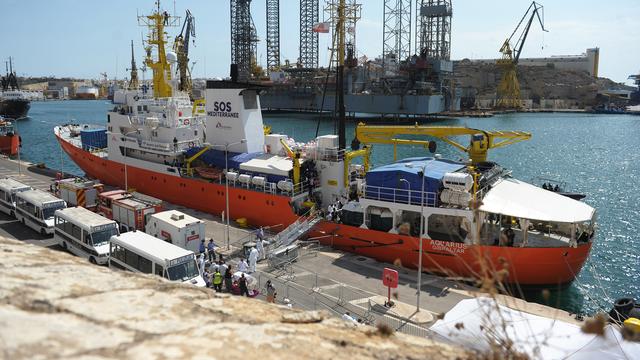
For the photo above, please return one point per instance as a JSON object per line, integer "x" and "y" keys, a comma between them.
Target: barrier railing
{"x": 403, "y": 196}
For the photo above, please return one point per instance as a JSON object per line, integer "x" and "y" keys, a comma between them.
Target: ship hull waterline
{"x": 529, "y": 266}
{"x": 553, "y": 266}
{"x": 260, "y": 209}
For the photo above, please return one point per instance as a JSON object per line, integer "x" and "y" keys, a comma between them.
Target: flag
{"x": 321, "y": 27}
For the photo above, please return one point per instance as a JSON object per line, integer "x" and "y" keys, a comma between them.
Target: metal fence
{"x": 309, "y": 291}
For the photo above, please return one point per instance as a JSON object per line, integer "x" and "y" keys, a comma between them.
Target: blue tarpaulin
{"x": 385, "y": 182}
{"x": 93, "y": 138}
{"x": 214, "y": 157}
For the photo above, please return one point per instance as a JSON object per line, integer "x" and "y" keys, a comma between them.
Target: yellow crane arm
{"x": 194, "y": 157}
{"x": 295, "y": 157}
{"x": 480, "y": 140}
{"x": 365, "y": 152}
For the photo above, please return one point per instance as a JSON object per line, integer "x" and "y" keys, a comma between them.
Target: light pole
{"x": 126, "y": 180}
{"x": 419, "y": 285}
{"x": 226, "y": 185}
{"x": 409, "y": 187}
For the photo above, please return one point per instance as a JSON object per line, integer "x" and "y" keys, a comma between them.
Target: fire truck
{"x": 130, "y": 210}
{"x": 79, "y": 192}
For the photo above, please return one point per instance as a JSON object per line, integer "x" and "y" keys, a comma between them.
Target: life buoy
{"x": 186, "y": 121}
{"x": 136, "y": 98}
{"x": 192, "y": 144}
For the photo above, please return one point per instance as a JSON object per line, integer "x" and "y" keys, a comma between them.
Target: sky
{"x": 83, "y": 38}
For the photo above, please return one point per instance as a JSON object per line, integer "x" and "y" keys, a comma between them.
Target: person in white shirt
{"x": 201, "y": 264}
{"x": 253, "y": 260}
{"x": 243, "y": 266}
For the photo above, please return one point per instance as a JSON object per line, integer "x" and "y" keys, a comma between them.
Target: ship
{"x": 464, "y": 219}
{"x": 14, "y": 103}
{"x": 9, "y": 139}
{"x": 87, "y": 92}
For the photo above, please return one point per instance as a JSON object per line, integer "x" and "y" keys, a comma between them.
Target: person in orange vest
{"x": 217, "y": 281}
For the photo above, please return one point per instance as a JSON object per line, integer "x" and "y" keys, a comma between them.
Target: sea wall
{"x": 54, "y": 305}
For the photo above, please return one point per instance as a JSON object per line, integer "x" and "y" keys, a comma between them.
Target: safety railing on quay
{"x": 310, "y": 291}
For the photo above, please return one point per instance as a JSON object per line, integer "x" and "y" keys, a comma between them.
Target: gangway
{"x": 284, "y": 249}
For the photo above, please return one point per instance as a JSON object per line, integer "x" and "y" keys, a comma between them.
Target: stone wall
{"x": 54, "y": 305}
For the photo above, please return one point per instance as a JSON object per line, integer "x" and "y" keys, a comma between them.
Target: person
{"x": 556, "y": 188}
{"x": 511, "y": 235}
{"x": 253, "y": 259}
{"x": 222, "y": 267}
{"x": 201, "y": 263}
{"x": 211, "y": 247}
{"x": 217, "y": 280}
{"x": 202, "y": 247}
{"x": 242, "y": 283}
{"x": 243, "y": 266}
{"x": 260, "y": 234}
{"x": 348, "y": 318}
{"x": 260, "y": 247}
{"x": 271, "y": 292}
{"x": 228, "y": 279}
{"x": 207, "y": 278}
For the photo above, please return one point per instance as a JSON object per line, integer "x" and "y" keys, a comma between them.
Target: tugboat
{"x": 14, "y": 103}
{"x": 9, "y": 139}
{"x": 466, "y": 219}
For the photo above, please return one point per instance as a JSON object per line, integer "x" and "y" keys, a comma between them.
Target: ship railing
{"x": 269, "y": 187}
{"x": 400, "y": 196}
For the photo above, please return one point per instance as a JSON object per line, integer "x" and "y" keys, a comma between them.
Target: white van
{"x": 139, "y": 252}
{"x": 177, "y": 228}
{"x": 8, "y": 190}
{"x": 84, "y": 233}
{"x": 35, "y": 208}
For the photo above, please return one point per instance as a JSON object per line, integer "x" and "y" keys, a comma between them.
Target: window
{"x": 118, "y": 252}
{"x": 3, "y": 195}
{"x": 131, "y": 259}
{"x": 159, "y": 270}
{"x": 144, "y": 265}
{"x": 85, "y": 237}
{"x": 76, "y": 232}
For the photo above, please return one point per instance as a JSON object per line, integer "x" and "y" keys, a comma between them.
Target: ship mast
{"x": 133, "y": 84}
{"x": 161, "y": 68}
{"x": 340, "y": 28}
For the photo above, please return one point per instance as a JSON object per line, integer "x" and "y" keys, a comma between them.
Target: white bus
{"x": 140, "y": 252}
{"x": 8, "y": 190}
{"x": 35, "y": 208}
{"x": 84, "y": 233}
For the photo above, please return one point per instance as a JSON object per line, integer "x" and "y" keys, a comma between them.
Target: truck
{"x": 130, "y": 210}
{"x": 177, "y": 228}
{"x": 79, "y": 192}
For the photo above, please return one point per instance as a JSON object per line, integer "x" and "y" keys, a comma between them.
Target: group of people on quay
{"x": 223, "y": 277}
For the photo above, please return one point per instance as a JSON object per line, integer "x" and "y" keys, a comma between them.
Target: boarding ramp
{"x": 284, "y": 248}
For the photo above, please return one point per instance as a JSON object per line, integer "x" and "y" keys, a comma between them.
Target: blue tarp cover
{"x": 214, "y": 157}
{"x": 388, "y": 176}
{"x": 93, "y": 138}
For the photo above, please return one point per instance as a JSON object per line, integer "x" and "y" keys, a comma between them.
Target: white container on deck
{"x": 457, "y": 181}
{"x": 458, "y": 198}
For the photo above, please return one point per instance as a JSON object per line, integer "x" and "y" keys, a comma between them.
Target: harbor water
{"x": 594, "y": 154}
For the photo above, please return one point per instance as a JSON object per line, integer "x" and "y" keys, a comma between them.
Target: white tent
{"x": 473, "y": 323}
{"x": 515, "y": 198}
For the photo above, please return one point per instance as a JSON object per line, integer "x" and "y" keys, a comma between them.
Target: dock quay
{"x": 320, "y": 278}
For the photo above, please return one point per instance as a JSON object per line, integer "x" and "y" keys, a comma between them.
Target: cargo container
{"x": 177, "y": 228}
{"x": 93, "y": 139}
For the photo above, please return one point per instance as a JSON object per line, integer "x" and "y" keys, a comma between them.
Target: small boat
{"x": 558, "y": 187}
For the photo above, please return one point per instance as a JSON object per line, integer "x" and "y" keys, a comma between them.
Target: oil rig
{"x": 412, "y": 77}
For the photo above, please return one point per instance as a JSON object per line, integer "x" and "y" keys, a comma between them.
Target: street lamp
{"x": 409, "y": 187}
{"x": 226, "y": 185}
{"x": 126, "y": 180}
{"x": 420, "y": 239}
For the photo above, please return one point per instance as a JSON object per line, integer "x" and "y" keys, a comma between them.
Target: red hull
{"x": 260, "y": 209}
{"x": 526, "y": 266}
{"x": 9, "y": 144}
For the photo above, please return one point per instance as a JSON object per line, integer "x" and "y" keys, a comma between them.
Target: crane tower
{"x": 273, "y": 34}
{"x": 433, "y": 28}
{"x": 396, "y": 36}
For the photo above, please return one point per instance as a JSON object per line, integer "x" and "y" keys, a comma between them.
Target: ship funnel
{"x": 233, "y": 115}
